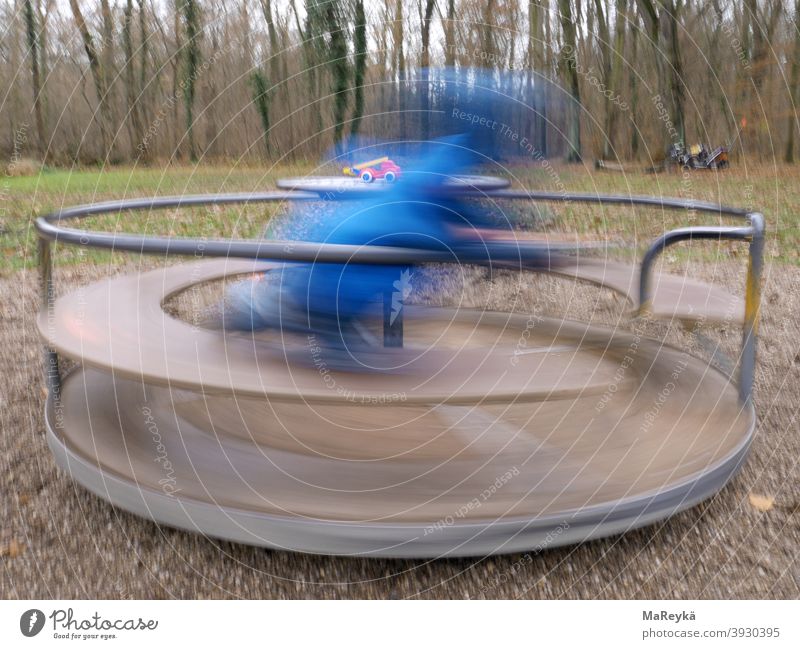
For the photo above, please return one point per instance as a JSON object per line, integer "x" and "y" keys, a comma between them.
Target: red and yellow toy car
{"x": 374, "y": 169}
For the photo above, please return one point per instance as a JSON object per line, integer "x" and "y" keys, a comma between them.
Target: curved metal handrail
{"x": 49, "y": 229}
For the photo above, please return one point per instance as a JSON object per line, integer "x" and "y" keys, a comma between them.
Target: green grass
{"x": 23, "y": 198}
{"x": 774, "y": 191}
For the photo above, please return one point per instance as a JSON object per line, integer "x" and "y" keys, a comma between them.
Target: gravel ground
{"x": 58, "y": 541}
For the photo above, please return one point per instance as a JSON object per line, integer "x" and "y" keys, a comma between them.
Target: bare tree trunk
{"x": 425, "y": 63}
{"x": 260, "y": 87}
{"x": 634, "y": 85}
{"x": 487, "y": 35}
{"x": 662, "y": 24}
{"x": 568, "y": 52}
{"x": 530, "y": 60}
{"x": 450, "y": 35}
{"x": 537, "y": 74}
{"x": 134, "y": 122}
{"x": 763, "y": 25}
{"x": 604, "y": 38}
{"x": 44, "y": 60}
{"x": 191, "y": 18}
{"x": 337, "y": 45}
{"x": 310, "y": 35}
{"x": 209, "y": 96}
{"x": 108, "y": 41}
{"x": 16, "y": 48}
{"x": 791, "y": 121}
{"x": 285, "y": 46}
{"x": 264, "y": 87}
{"x": 274, "y": 49}
{"x": 398, "y": 34}
{"x": 276, "y": 78}
{"x": 298, "y": 24}
{"x": 108, "y": 68}
{"x": 175, "y": 62}
{"x": 36, "y": 84}
{"x": 144, "y": 52}
{"x": 615, "y": 77}
{"x": 714, "y": 48}
{"x": 763, "y": 18}
{"x": 676, "y": 68}
{"x": 383, "y": 58}
{"x": 44, "y": 36}
{"x": 98, "y": 76}
{"x": 360, "y": 68}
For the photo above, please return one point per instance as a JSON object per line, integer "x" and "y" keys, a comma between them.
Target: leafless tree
{"x": 143, "y": 79}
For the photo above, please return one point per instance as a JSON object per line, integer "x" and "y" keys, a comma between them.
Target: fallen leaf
{"x": 11, "y": 550}
{"x": 762, "y": 503}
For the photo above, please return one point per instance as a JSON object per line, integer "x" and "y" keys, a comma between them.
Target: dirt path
{"x": 57, "y": 541}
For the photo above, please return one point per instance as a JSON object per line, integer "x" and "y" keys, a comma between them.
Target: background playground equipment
{"x": 695, "y": 156}
{"x": 698, "y": 156}
{"x": 701, "y": 156}
{"x": 508, "y": 458}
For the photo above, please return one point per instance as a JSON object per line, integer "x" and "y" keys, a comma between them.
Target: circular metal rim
{"x": 49, "y": 228}
{"x": 409, "y": 540}
{"x": 342, "y": 187}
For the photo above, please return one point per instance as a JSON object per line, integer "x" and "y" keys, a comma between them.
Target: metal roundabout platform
{"x": 473, "y": 448}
